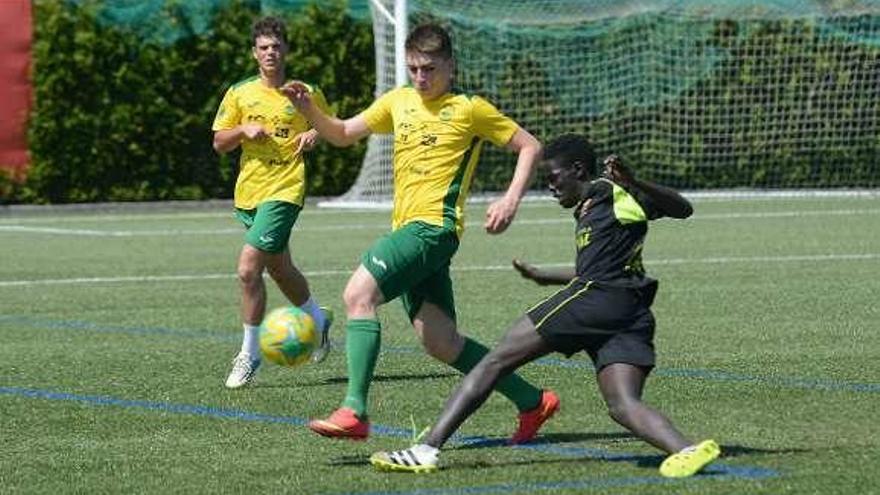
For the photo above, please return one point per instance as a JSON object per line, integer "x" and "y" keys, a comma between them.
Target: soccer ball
{"x": 288, "y": 336}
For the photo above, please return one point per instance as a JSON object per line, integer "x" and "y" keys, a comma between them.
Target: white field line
{"x": 101, "y": 213}
{"x": 385, "y": 226}
{"x": 472, "y": 268}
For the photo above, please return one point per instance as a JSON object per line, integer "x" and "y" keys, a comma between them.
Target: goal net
{"x": 771, "y": 94}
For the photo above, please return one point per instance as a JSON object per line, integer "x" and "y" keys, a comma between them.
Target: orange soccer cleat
{"x": 343, "y": 423}
{"x": 531, "y": 421}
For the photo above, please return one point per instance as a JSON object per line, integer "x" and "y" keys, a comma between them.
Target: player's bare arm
{"x": 336, "y": 131}
{"x": 669, "y": 201}
{"x": 543, "y": 276}
{"x": 500, "y": 213}
{"x": 227, "y": 140}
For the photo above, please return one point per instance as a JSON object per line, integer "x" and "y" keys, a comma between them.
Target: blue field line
{"x": 75, "y": 325}
{"x": 715, "y": 471}
{"x": 723, "y": 376}
{"x": 214, "y": 412}
{"x": 805, "y": 383}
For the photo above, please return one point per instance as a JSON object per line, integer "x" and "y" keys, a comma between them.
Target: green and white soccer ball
{"x": 288, "y": 336}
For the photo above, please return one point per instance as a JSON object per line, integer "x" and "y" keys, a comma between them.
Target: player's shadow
{"x": 647, "y": 461}
{"x": 551, "y": 438}
{"x": 358, "y": 460}
{"x": 651, "y": 461}
{"x": 342, "y": 380}
{"x": 396, "y": 378}
{"x": 729, "y": 451}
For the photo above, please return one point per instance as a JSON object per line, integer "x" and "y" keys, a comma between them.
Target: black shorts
{"x": 612, "y": 324}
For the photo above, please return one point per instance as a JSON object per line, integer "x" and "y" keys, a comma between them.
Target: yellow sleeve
{"x": 491, "y": 124}
{"x": 229, "y": 114}
{"x": 378, "y": 115}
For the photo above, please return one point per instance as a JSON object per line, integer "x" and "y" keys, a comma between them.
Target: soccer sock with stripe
{"x": 363, "y": 339}
{"x": 522, "y": 393}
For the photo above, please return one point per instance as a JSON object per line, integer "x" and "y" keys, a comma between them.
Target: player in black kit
{"x": 604, "y": 309}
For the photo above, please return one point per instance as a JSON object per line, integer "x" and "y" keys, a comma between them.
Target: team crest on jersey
{"x": 289, "y": 110}
{"x": 445, "y": 114}
{"x": 583, "y": 237}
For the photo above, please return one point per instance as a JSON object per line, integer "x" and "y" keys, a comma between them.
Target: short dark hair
{"x": 269, "y": 26}
{"x": 430, "y": 39}
{"x": 569, "y": 148}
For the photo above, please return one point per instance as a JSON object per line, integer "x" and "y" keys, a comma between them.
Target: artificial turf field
{"x": 118, "y": 327}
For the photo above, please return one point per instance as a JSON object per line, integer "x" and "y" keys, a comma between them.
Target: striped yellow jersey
{"x": 270, "y": 169}
{"x": 436, "y": 148}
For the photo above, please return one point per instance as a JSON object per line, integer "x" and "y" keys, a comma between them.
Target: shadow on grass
{"x": 396, "y": 378}
{"x": 293, "y": 384}
{"x": 359, "y": 460}
{"x": 648, "y": 461}
{"x": 549, "y": 439}
{"x": 729, "y": 451}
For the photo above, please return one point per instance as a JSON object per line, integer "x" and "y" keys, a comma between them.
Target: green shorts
{"x": 413, "y": 262}
{"x": 269, "y": 225}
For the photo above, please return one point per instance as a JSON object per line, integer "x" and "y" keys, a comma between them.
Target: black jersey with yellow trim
{"x": 612, "y": 223}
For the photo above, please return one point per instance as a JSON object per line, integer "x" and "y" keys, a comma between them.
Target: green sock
{"x": 362, "y": 341}
{"x": 522, "y": 393}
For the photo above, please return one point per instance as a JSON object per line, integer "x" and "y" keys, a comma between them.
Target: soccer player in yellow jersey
{"x": 269, "y": 191}
{"x": 437, "y": 139}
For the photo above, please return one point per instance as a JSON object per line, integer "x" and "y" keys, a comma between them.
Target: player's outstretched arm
{"x": 336, "y": 131}
{"x": 500, "y": 213}
{"x": 543, "y": 276}
{"x": 668, "y": 200}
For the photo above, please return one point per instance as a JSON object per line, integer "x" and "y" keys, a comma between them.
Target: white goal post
{"x": 375, "y": 182}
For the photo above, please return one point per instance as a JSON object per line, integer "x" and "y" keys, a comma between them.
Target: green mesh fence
{"x": 694, "y": 93}
{"x": 167, "y": 21}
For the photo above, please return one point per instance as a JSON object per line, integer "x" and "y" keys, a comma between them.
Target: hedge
{"x": 120, "y": 119}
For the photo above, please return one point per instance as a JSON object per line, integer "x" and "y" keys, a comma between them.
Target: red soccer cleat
{"x": 343, "y": 423}
{"x": 531, "y": 421}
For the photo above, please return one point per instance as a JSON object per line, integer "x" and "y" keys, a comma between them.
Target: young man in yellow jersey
{"x": 270, "y": 189}
{"x": 437, "y": 139}
{"x": 604, "y": 309}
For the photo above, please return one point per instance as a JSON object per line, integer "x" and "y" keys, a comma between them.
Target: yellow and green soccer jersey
{"x": 270, "y": 169}
{"x": 436, "y": 148}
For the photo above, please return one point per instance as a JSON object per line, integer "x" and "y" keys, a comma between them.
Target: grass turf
{"x": 117, "y": 330}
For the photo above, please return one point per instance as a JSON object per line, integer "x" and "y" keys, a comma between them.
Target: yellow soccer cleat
{"x": 689, "y": 461}
{"x": 406, "y": 461}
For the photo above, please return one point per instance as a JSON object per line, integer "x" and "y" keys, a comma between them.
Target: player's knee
{"x": 358, "y": 301}
{"x": 249, "y": 275}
